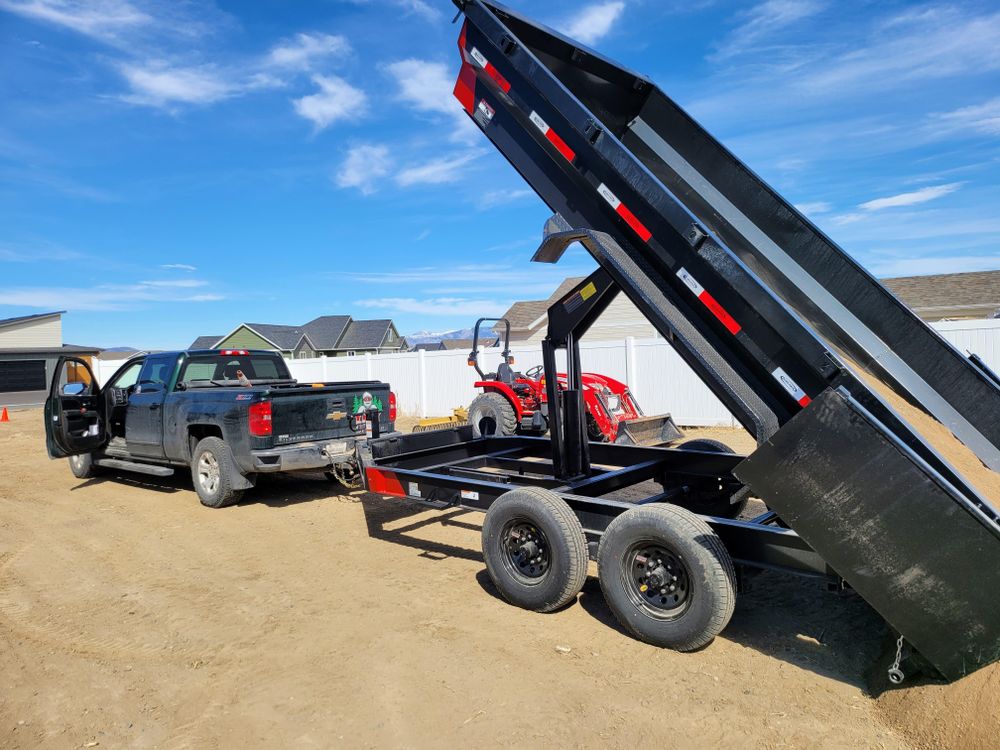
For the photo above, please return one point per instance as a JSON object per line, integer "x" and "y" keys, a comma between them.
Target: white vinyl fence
{"x": 434, "y": 383}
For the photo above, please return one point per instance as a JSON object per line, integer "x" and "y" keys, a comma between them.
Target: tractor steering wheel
{"x": 535, "y": 373}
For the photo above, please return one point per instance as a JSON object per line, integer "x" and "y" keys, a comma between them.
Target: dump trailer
{"x": 836, "y": 379}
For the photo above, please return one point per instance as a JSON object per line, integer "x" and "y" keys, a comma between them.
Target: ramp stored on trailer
{"x": 832, "y": 374}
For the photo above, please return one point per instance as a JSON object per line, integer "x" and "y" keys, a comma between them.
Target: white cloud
{"x": 436, "y": 171}
{"x": 178, "y": 267}
{"x": 102, "y": 297}
{"x": 101, "y": 19}
{"x": 157, "y": 84}
{"x": 912, "y": 198}
{"x": 421, "y": 8}
{"x": 453, "y": 306}
{"x": 335, "y": 100}
{"x": 592, "y": 22}
{"x": 763, "y": 21}
{"x": 304, "y": 50}
{"x": 426, "y": 87}
{"x": 495, "y": 198}
{"x": 175, "y": 283}
{"x": 981, "y": 118}
{"x": 815, "y": 207}
{"x": 364, "y": 168}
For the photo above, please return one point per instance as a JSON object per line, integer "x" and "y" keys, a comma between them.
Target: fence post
{"x": 325, "y": 368}
{"x": 631, "y": 368}
{"x": 422, "y": 381}
{"x": 368, "y": 366}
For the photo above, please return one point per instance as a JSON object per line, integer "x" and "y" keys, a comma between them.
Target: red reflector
{"x": 392, "y": 406}
{"x": 720, "y": 312}
{"x": 622, "y": 210}
{"x": 384, "y": 482}
{"x": 259, "y": 419}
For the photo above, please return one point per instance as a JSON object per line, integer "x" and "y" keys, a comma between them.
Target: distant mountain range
{"x": 428, "y": 337}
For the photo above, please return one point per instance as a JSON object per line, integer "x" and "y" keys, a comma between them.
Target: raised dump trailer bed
{"x": 829, "y": 372}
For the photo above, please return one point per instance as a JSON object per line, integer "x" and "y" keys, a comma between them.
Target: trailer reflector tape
{"x": 710, "y": 302}
{"x": 622, "y": 210}
{"x": 792, "y": 387}
{"x": 383, "y": 482}
{"x": 470, "y": 495}
{"x": 490, "y": 69}
{"x": 552, "y": 136}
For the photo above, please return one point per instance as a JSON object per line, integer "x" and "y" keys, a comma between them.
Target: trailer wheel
{"x": 535, "y": 549}
{"x": 492, "y": 414}
{"x": 667, "y": 577}
{"x": 716, "y": 504}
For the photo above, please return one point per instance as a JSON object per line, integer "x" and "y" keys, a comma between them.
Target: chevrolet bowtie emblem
{"x": 335, "y": 415}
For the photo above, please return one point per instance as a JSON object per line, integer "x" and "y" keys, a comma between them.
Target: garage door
{"x": 22, "y": 375}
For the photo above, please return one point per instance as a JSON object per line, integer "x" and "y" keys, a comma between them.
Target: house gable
{"x": 245, "y": 337}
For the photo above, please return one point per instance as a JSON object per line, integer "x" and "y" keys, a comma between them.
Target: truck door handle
{"x": 154, "y": 407}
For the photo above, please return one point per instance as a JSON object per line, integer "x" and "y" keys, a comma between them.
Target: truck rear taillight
{"x": 259, "y": 422}
{"x": 392, "y": 406}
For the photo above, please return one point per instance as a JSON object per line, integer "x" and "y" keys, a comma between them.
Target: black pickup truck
{"x": 228, "y": 414}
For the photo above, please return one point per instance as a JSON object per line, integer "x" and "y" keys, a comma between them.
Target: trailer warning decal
{"x": 491, "y": 71}
{"x": 621, "y": 209}
{"x": 710, "y": 302}
{"x": 792, "y": 387}
{"x": 553, "y": 137}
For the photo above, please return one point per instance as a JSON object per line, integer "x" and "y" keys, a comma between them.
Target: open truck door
{"x": 74, "y": 411}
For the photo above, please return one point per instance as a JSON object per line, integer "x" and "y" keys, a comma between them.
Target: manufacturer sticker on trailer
{"x": 792, "y": 387}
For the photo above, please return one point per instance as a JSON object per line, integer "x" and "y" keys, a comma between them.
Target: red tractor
{"x": 514, "y": 402}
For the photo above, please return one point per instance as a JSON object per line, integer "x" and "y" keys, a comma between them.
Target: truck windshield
{"x": 205, "y": 368}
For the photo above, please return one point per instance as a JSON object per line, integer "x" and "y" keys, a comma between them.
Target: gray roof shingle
{"x": 364, "y": 334}
{"x": 204, "y": 342}
{"x": 975, "y": 294}
{"x": 22, "y": 318}
{"x": 326, "y": 331}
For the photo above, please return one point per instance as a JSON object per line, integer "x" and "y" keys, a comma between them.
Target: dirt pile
{"x": 964, "y": 715}
{"x": 954, "y": 451}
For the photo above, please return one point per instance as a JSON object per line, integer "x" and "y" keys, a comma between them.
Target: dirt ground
{"x": 132, "y": 616}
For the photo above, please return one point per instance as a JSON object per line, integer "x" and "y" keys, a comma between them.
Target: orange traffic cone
{"x": 3, "y": 415}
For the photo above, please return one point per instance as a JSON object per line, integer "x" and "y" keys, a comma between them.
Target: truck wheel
{"x": 667, "y": 577}
{"x": 716, "y": 504}
{"x": 211, "y": 471}
{"x": 82, "y": 466}
{"x": 492, "y": 414}
{"x": 535, "y": 549}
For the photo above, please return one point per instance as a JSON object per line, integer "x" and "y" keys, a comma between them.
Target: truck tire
{"x": 492, "y": 414}
{"x": 719, "y": 505}
{"x": 212, "y": 468}
{"x": 687, "y": 556}
{"x": 535, "y": 549}
{"x": 82, "y": 466}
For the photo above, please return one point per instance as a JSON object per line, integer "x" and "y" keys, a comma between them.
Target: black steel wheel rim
{"x": 656, "y": 580}
{"x": 524, "y": 551}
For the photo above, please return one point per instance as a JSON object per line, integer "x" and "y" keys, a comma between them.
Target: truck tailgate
{"x": 320, "y": 413}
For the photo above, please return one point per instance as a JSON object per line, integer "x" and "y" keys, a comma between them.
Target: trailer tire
{"x": 212, "y": 468}
{"x": 688, "y": 556}
{"x": 495, "y": 409}
{"x": 721, "y": 506}
{"x": 535, "y": 549}
{"x": 83, "y": 466}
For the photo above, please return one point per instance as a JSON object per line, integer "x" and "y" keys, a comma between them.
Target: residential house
{"x": 327, "y": 335}
{"x": 30, "y": 346}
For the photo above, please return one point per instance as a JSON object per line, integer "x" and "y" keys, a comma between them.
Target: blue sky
{"x": 169, "y": 169}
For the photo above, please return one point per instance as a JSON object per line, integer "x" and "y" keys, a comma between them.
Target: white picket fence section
{"x": 434, "y": 383}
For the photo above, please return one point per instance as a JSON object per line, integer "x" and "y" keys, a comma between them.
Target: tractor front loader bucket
{"x": 459, "y": 417}
{"x": 648, "y": 431}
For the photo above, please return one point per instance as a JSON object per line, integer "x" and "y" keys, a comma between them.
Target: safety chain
{"x": 896, "y": 675}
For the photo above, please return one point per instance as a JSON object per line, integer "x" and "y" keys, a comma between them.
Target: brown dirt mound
{"x": 964, "y": 715}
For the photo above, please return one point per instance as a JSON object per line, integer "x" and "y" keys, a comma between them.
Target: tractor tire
{"x": 718, "y": 505}
{"x": 492, "y": 414}
{"x": 535, "y": 549}
{"x": 82, "y": 466}
{"x": 667, "y": 577}
{"x": 211, "y": 472}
